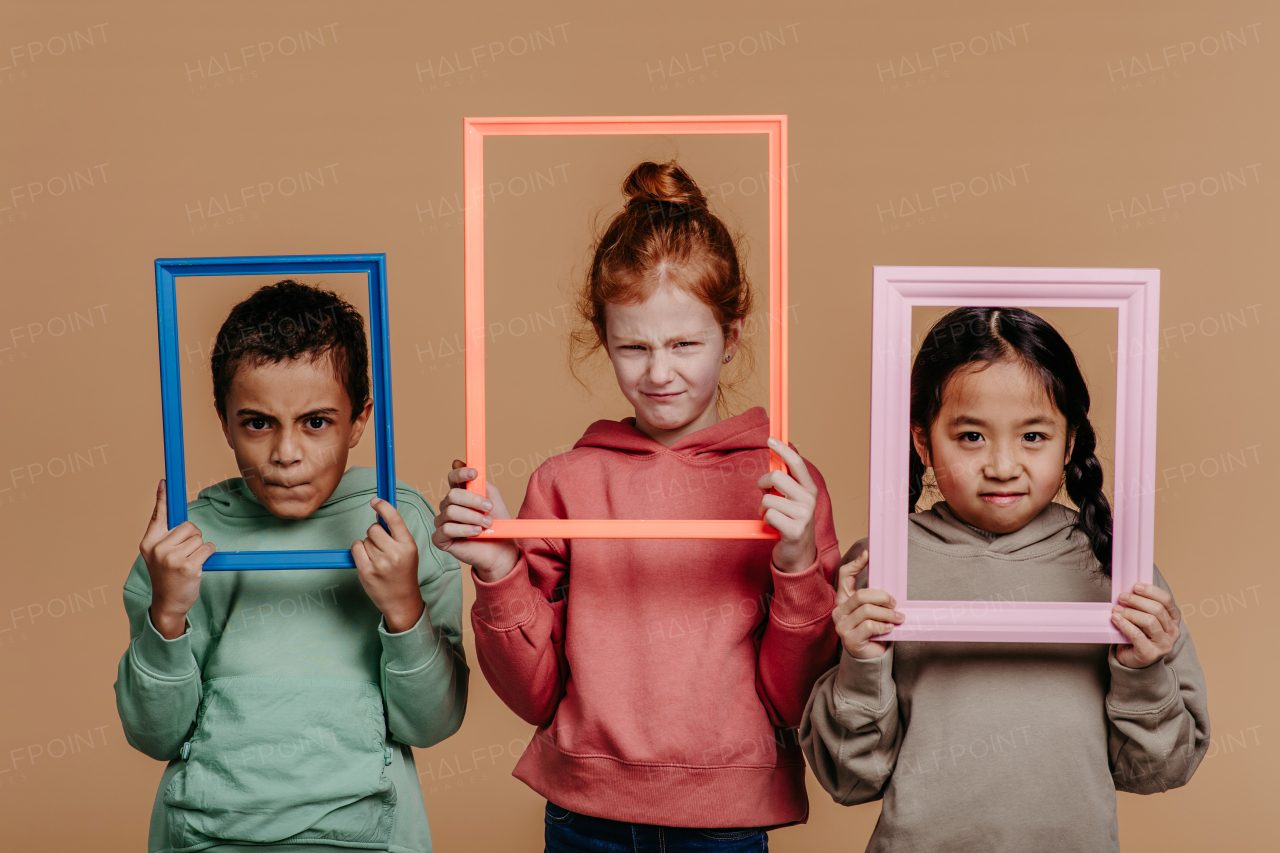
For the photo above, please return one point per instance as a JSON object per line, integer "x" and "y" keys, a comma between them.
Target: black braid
{"x": 1084, "y": 487}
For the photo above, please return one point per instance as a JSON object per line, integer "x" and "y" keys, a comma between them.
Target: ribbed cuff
{"x": 800, "y": 598}
{"x": 409, "y": 650}
{"x": 1146, "y": 689}
{"x": 508, "y": 601}
{"x": 866, "y": 682}
{"x": 166, "y": 658}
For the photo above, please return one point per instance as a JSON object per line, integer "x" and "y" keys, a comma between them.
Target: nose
{"x": 1003, "y": 463}
{"x": 287, "y": 451}
{"x": 660, "y": 371}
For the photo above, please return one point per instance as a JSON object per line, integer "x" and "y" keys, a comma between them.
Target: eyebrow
{"x": 622, "y": 340}
{"x": 254, "y": 413}
{"x": 967, "y": 420}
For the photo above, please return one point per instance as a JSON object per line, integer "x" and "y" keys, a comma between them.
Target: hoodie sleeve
{"x": 799, "y": 641}
{"x": 519, "y": 621}
{"x": 852, "y": 729}
{"x": 851, "y": 732}
{"x": 424, "y": 671}
{"x": 158, "y": 680}
{"x": 1158, "y": 718}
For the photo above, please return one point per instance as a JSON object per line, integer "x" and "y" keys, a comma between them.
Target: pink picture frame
{"x": 1135, "y": 294}
{"x": 474, "y": 131}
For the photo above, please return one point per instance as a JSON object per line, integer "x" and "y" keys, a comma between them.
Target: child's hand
{"x": 791, "y": 511}
{"x": 462, "y": 514}
{"x": 1149, "y": 618}
{"x": 860, "y": 614}
{"x": 174, "y": 559}
{"x": 387, "y": 565}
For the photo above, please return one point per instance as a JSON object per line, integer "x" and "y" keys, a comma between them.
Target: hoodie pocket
{"x": 293, "y": 760}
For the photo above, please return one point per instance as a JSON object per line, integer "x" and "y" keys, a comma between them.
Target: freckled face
{"x": 998, "y": 447}
{"x": 667, "y": 354}
{"x": 289, "y": 425}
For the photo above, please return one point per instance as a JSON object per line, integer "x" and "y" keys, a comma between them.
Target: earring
{"x": 727, "y": 358}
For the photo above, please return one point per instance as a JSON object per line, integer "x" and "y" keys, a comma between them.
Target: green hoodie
{"x": 286, "y": 711}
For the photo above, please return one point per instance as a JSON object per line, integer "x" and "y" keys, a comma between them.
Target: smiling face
{"x": 998, "y": 446}
{"x": 667, "y": 353}
{"x": 289, "y": 424}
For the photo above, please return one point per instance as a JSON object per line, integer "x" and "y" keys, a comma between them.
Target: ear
{"x": 733, "y": 336}
{"x": 358, "y": 425}
{"x": 226, "y": 430}
{"x": 1071, "y": 444}
{"x": 921, "y": 443}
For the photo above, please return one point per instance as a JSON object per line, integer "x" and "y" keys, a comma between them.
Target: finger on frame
{"x": 795, "y": 463}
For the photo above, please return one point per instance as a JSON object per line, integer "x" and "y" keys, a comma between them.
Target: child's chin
{"x": 293, "y": 510}
{"x": 667, "y": 418}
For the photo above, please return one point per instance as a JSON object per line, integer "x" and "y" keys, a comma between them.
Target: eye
{"x": 687, "y": 343}
{"x": 317, "y": 422}
{"x": 1034, "y": 437}
{"x": 970, "y": 436}
{"x": 256, "y": 424}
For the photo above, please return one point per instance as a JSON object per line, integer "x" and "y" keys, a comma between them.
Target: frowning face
{"x": 290, "y": 427}
{"x": 667, "y": 354}
{"x": 998, "y": 446}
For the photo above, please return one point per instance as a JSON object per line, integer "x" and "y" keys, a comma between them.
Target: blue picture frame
{"x": 168, "y": 269}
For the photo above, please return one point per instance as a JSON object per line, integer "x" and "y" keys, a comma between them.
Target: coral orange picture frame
{"x": 475, "y": 130}
{"x": 1135, "y": 295}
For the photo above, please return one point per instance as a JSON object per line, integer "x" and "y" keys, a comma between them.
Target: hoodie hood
{"x": 938, "y": 528}
{"x": 747, "y": 431}
{"x": 1046, "y": 560}
{"x": 233, "y": 498}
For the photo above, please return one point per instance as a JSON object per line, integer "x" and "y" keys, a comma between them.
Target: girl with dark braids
{"x": 1004, "y": 746}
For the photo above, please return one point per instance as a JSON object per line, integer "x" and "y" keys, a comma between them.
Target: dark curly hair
{"x": 975, "y": 335}
{"x": 291, "y": 320}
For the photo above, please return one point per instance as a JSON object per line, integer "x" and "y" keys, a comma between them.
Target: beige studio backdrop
{"x": 1137, "y": 134}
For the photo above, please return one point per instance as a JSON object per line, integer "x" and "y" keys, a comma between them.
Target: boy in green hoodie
{"x": 286, "y": 703}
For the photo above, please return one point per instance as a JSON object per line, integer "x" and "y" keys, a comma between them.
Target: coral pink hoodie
{"x": 665, "y": 676}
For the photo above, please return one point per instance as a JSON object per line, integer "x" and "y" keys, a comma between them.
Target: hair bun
{"x": 662, "y": 182}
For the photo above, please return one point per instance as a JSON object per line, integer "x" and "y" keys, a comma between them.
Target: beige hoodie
{"x": 1003, "y": 746}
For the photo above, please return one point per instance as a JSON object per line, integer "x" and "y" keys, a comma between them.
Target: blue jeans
{"x": 570, "y": 832}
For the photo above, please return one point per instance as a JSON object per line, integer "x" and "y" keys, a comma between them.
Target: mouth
{"x": 663, "y": 398}
{"x": 1002, "y": 499}
{"x": 284, "y": 486}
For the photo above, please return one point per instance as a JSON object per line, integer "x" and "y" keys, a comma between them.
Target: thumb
{"x": 160, "y": 515}
{"x": 848, "y": 578}
{"x": 158, "y": 526}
